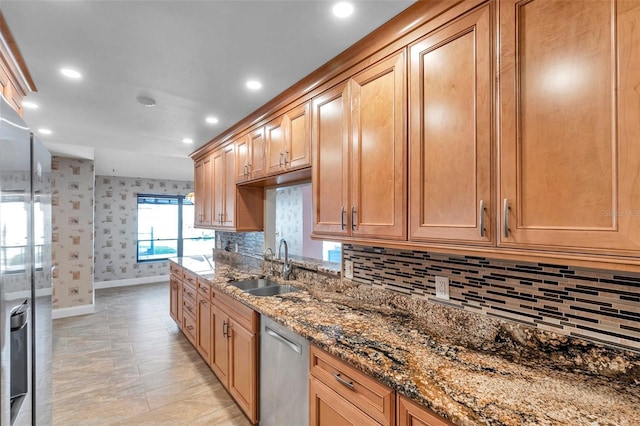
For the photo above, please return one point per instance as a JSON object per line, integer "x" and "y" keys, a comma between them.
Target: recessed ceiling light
{"x": 71, "y": 73}
{"x": 44, "y": 131}
{"x": 29, "y": 105}
{"x": 147, "y": 101}
{"x": 187, "y": 140}
{"x": 342, "y": 9}
{"x": 211, "y": 120}
{"x": 254, "y": 84}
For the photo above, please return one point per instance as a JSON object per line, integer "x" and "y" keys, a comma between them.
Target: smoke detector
{"x": 145, "y": 100}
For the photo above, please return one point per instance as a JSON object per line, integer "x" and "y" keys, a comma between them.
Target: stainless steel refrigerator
{"x": 25, "y": 274}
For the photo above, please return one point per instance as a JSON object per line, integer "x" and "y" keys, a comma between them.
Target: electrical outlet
{"x": 236, "y": 247}
{"x": 442, "y": 288}
{"x": 348, "y": 269}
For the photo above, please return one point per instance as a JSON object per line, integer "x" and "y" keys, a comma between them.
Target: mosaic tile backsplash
{"x": 249, "y": 243}
{"x": 602, "y": 306}
{"x": 116, "y": 225}
{"x": 72, "y": 231}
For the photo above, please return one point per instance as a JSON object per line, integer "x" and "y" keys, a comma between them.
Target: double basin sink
{"x": 264, "y": 287}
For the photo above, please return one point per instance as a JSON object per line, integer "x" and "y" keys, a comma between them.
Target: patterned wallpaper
{"x": 72, "y": 232}
{"x": 602, "y": 306}
{"x": 116, "y": 227}
{"x": 289, "y": 217}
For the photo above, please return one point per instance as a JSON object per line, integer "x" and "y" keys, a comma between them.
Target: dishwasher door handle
{"x": 293, "y": 346}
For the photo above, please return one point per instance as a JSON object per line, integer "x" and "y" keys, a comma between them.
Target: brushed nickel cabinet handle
{"x": 505, "y": 218}
{"x": 286, "y": 158}
{"x": 342, "y": 215}
{"x": 481, "y": 214}
{"x": 224, "y": 329}
{"x": 342, "y": 381}
{"x": 280, "y": 162}
{"x": 353, "y": 218}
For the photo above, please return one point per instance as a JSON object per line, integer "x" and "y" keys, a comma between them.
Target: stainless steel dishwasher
{"x": 284, "y": 376}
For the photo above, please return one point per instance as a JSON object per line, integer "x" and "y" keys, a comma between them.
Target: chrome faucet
{"x": 270, "y": 251}
{"x": 286, "y": 266}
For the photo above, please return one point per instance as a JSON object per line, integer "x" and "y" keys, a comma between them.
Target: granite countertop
{"x": 438, "y": 361}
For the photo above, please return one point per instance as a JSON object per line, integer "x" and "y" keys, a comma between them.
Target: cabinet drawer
{"x": 243, "y": 315}
{"x": 189, "y": 301}
{"x": 189, "y": 327}
{"x": 373, "y": 398}
{"x": 203, "y": 288}
{"x": 190, "y": 278}
{"x": 412, "y": 414}
{"x": 176, "y": 270}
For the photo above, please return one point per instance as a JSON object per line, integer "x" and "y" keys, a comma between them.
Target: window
{"x": 165, "y": 229}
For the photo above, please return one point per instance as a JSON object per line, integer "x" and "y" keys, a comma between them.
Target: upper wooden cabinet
{"x": 450, "y": 138}
{"x": 359, "y": 154}
{"x": 203, "y": 192}
{"x": 231, "y": 207}
{"x": 289, "y": 141}
{"x": 15, "y": 80}
{"x": 250, "y": 156}
{"x": 569, "y": 152}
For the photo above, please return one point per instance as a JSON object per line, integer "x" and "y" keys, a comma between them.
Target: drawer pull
{"x": 189, "y": 327}
{"x": 343, "y": 381}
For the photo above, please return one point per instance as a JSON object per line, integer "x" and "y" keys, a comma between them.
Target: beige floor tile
{"x": 128, "y": 364}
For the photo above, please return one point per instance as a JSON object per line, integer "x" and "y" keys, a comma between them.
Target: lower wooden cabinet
{"x": 346, "y": 385}
{"x": 243, "y": 377}
{"x": 327, "y": 408}
{"x": 223, "y": 331}
{"x": 234, "y": 353}
{"x": 175, "y": 299}
{"x": 219, "y": 351}
{"x": 412, "y": 414}
{"x": 203, "y": 327}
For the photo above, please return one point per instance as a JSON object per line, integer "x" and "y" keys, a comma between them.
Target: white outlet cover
{"x": 442, "y": 288}
{"x": 348, "y": 269}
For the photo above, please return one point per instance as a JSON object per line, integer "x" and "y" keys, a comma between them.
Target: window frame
{"x": 180, "y": 223}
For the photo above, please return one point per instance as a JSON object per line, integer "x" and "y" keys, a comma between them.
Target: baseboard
{"x": 130, "y": 281}
{"x": 72, "y": 311}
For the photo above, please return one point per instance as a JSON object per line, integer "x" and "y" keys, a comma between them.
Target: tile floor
{"x": 128, "y": 364}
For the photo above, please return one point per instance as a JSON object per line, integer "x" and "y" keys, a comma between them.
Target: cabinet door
{"x": 243, "y": 381}
{"x": 569, "y": 152}
{"x": 175, "y": 309}
{"x": 203, "y": 192}
{"x": 411, "y": 414}
{"x": 218, "y": 187}
{"x": 257, "y": 153}
{"x": 327, "y": 408}
{"x": 379, "y": 151}
{"x": 219, "y": 350}
{"x": 450, "y": 86}
{"x": 275, "y": 136}
{"x": 242, "y": 159}
{"x": 330, "y": 139}
{"x": 203, "y": 336}
{"x": 229, "y": 210}
{"x": 298, "y": 138}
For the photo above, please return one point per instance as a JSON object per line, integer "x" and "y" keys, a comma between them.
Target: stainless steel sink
{"x": 254, "y": 284}
{"x": 273, "y": 290}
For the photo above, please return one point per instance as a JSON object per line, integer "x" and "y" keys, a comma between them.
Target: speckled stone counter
{"x": 467, "y": 367}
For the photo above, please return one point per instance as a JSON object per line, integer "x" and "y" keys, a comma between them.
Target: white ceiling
{"x": 193, "y": 57}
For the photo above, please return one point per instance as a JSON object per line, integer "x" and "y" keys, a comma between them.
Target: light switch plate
{"x": 442, "y": 288}
{"x": 348, "y": 269}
